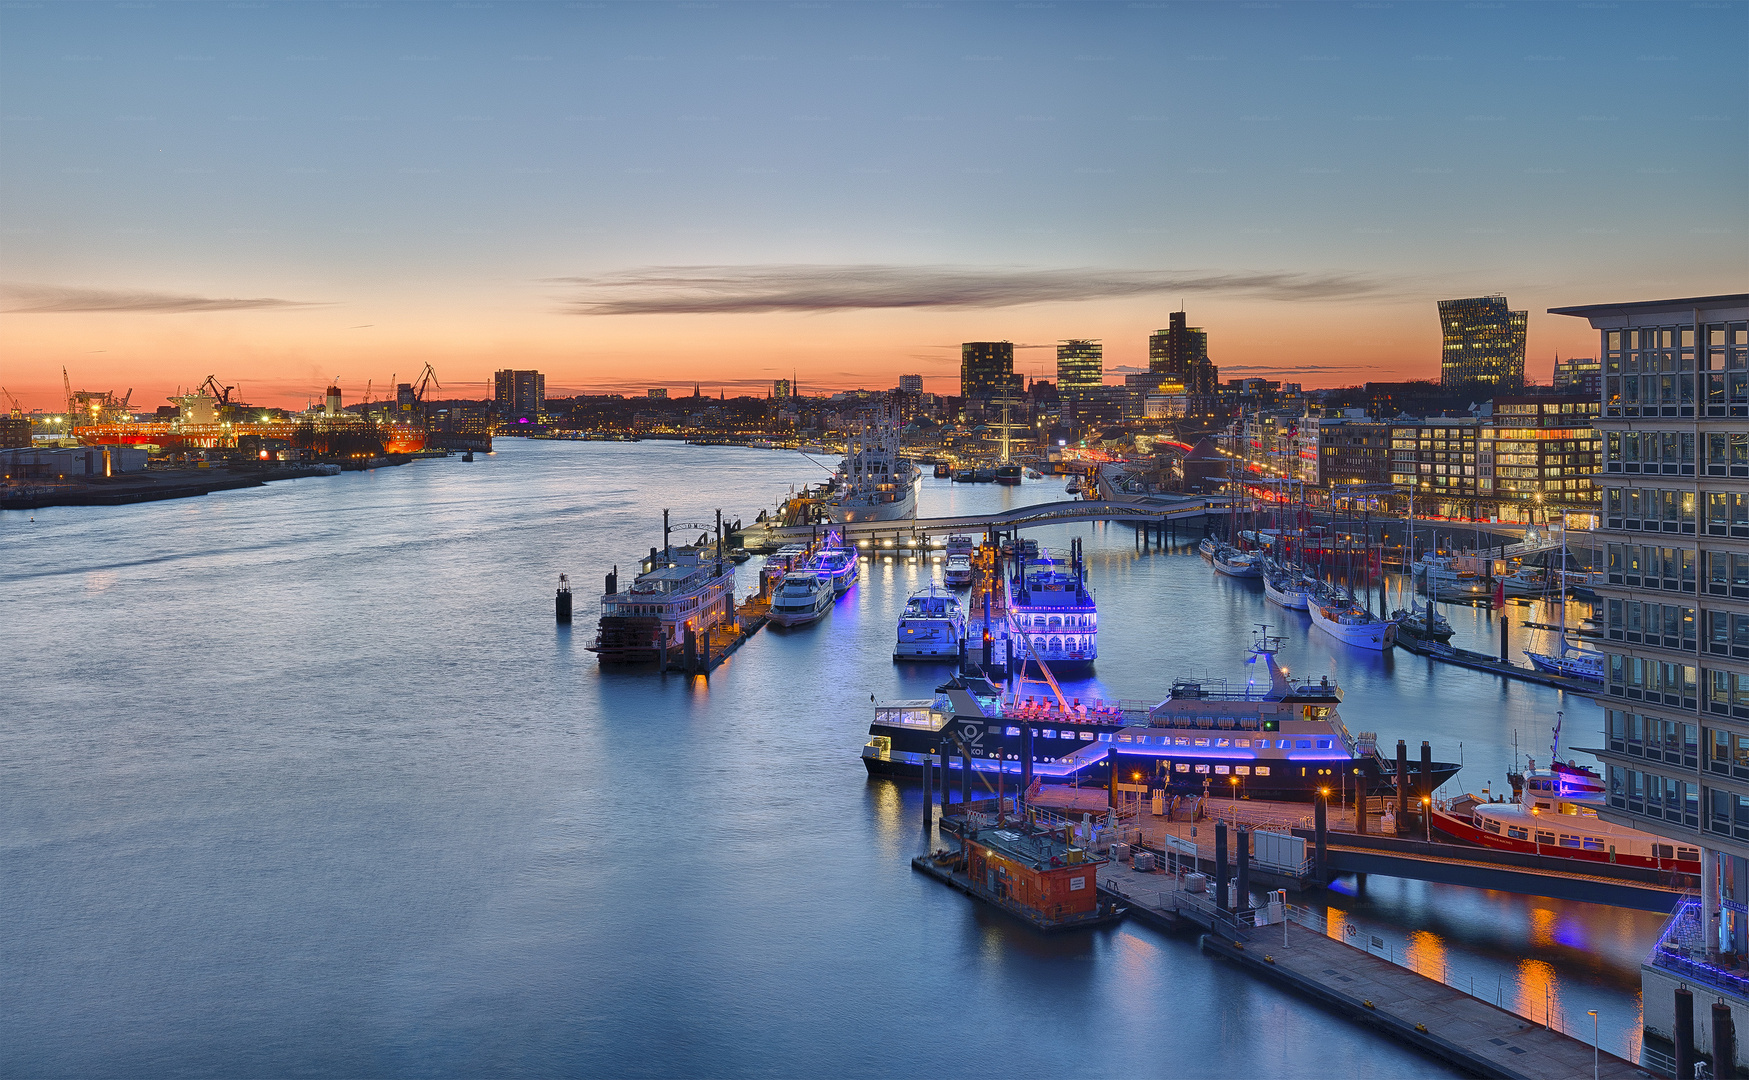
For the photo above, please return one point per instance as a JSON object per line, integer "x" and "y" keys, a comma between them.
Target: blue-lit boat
{"x": 837, "y": 564}
{"x": 1049, "y": 603}
{"x": 1271, "y": 738}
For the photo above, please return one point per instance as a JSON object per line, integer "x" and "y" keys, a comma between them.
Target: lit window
{"x": 1182, "y": 767}
{"x": 1202, "y": 768}
{"x": 1222, "y": 770}
{"x": 1262, "y": 770}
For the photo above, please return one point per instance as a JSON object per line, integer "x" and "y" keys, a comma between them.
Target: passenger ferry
{"x": 802, "y": 597}
{"x": 958, "y": 573}
{"x": 1553, "y": 812}
{"x": 931, "y": 627}
{"x": 1271, "y": 738}
{"x": 875, "y": 483}
{"x": 677, "y": 589}
{"x": 1054, "y": 610}
{"x": 836, "y": 564}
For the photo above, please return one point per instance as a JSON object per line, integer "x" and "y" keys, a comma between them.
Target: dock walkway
{"x": 1425, "y": 1012}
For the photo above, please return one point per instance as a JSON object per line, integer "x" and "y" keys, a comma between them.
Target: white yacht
{"x": 958, "y": 573}
{"x": 801, "y": 598}
{"x": 931, "y": 627}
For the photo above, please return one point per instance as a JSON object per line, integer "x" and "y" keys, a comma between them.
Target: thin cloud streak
{"x": 715, "y": 290}
{"x": 32, "y": 299}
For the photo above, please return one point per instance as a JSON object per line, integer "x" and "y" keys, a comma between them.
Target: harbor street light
{"x": 1594, "y": 1054}
{"x": 1427, "y": 816}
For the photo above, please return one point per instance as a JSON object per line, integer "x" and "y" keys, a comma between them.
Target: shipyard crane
{"x": 427, "y": 378}
{"x": 221, "y": 393}
{"x": 17, "y": 412}
{"x": 67, "y": 385}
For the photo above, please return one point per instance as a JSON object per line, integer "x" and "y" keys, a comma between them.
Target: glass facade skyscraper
{"x": 1484, "y": 343}
{"x": 1674, "y": 541}
{"x": 1080, "y": 365}
{"x": 987, "y": 370}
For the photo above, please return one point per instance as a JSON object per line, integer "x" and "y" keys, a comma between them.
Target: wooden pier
{"x": 1418, "y": 1009}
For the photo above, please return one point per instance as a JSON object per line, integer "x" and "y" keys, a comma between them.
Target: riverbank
{"x": 159, "y": 484}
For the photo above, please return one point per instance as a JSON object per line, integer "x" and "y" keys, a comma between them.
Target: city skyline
{"x": 292, "y": 196}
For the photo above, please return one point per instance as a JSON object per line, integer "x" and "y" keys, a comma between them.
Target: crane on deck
{"x": 221, "y": 393}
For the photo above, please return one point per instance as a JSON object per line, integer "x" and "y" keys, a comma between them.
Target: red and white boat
{"x": 1554, "y": 813}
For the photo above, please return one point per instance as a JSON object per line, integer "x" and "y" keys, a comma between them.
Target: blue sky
{"x": 470, "y": 179}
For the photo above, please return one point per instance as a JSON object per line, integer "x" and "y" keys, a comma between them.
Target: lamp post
{"x": 1427, "y": 816}
{"x": 1594, "y": 1054}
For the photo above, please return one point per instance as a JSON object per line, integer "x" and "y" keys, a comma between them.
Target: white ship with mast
{"x": 875, "y": 482}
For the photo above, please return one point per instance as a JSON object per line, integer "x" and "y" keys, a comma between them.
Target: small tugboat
{"x": 931, "y": 627}
{"x": 802, "y": 598}
{"x": 943, "y": 471}
{"x": 1345, "y": 620}
{"x": 958, "y": 573}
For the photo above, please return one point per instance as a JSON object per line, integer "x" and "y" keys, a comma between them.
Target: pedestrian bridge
{"x": 1149, "y": 511}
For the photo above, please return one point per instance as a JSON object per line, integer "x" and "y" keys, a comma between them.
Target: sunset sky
{"x": 658, "y": 194}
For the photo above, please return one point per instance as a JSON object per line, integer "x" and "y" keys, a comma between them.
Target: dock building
{"x": 1675, "y": 428}
{"x": 1037, "y": 873}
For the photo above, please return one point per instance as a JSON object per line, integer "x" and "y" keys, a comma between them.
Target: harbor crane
{"x": 17, "y": 412}
{"x": 221, "y": 393}
{"x": 427, "y": 378}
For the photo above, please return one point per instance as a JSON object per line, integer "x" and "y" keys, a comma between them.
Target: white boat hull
{"x": 1376, "y": 636}
{"x": 1292, "y": 599}
{"x": 1238, "y": 570}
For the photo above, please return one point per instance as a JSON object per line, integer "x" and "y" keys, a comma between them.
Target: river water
{"x": 303, "y": 780}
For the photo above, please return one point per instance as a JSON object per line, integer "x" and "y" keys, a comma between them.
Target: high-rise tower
{"x": 1484, "y": 343}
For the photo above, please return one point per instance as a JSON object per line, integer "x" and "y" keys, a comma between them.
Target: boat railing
{"x": 1684, "y": 950}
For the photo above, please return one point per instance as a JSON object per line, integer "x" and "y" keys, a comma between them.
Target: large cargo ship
{"x": 875, "y": 482}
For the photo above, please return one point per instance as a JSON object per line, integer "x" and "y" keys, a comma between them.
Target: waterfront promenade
{"x": 1421, "y": 1009}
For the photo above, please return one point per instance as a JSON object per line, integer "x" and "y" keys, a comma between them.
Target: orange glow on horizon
{"x": 285, "y": 359}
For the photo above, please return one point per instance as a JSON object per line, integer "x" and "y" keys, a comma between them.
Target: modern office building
{"x": 1183, "y": 352}
{"x": 1484, "y": 344}
{"x": 1675, "y": 701}
{"x": 911, "y": 384}
{"x": 780, "y": 388}
{"x": 519, "y": 397}
{"x": 1579, "y": 375}
{"x": 1080, "y": 366}
{"x": 1539, "y": 456}
{"x": 987, "y": 370}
